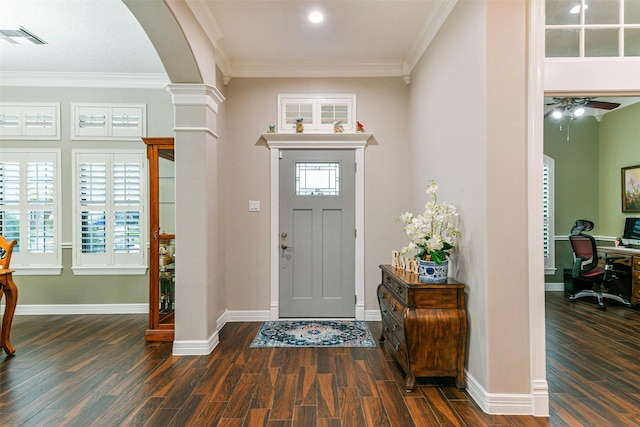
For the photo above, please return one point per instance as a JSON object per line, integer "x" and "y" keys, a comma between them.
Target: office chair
{"x": 585, "y": 265}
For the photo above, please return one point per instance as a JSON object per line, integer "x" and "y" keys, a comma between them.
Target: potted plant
{"x": 432, "y": 235}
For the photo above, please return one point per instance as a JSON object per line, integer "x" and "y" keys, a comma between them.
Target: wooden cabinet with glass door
{"x": 162, "y": 279}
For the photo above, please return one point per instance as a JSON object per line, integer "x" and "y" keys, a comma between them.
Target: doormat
{"x": 314, "y": 333}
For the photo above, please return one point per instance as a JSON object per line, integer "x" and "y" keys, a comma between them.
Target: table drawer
{"x": 635, "y": 291}
{"x": 635, "y": 277}
{"x": 400, "y": 290}
{"x": 636, "y": 262}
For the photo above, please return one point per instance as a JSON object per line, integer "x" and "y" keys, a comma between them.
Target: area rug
{"x": 314, "y": 333}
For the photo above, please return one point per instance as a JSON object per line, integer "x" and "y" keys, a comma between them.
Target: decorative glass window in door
{"x": 317, "y": 178}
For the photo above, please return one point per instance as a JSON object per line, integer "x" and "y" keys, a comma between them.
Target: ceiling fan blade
{"x": 548, "y": 113}
{"x": 602, "y": 105}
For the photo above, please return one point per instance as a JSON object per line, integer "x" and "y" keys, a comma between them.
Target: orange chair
{"x": 9, "y": 289}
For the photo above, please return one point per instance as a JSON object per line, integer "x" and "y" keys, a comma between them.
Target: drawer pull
{"x": 386, "y": 329}
{"x": 395, "y": 327}
{"x": 384, "y": 312}
{"x": 383, "y": 295}
{"x": 397, "y": 346}
{"x": 398, "y": 289}
{"x": 393, "y": 307}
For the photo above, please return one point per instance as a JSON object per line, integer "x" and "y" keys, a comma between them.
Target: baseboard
{"x": 554, "y": 287}
{"x": 58, "y": 309}
{"x": 372, "y": 315}
{"x": 195, "y": 348}
{"x": 503, "y": 404}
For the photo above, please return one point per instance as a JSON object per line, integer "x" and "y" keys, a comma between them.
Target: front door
{"x": 317, "y": 233}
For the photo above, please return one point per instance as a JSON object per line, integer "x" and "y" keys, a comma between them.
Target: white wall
{"x": 468, "y": 133}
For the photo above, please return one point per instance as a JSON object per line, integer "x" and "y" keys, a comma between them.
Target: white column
{"x": 196, "y": 157}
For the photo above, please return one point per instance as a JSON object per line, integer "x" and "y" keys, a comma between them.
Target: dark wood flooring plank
{"x": 284, "y": 397}
{"x": 421, "y": 412}
{"x": 265, "y": 388}
{"x": 394, "y": 404}
{"x": 241, "y": 398}
{"x": 344, "y": 371}
{"x": 257, "y": 417}
{"x": 304, "y": 416}
{"x": 441, "y": 407}
{"x": 351, "y": 413}
{"x": 328, "y": 406}
{"x": 374, "y": 413}
{"x": 307, "y": 391}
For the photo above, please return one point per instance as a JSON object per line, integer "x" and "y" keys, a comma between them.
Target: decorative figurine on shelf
{"x": 299, "y": 126}
{"x": 337, "y": 127}
{"x": 272, "y": 129}
{"x": 360, "y": 127}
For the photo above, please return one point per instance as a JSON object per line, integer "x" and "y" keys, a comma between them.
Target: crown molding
{"x": 76, "y": 79}
{"x": 318, "y": 69}
{"x": 432, "y": 25}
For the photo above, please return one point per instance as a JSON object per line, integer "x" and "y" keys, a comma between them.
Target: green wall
{"x": 68, "y": 288}
{"x": 588, "y": 174}
{"x": 619, "y": 148}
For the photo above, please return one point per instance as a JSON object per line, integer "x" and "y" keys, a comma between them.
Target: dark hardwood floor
{"x": 97, "y": 370}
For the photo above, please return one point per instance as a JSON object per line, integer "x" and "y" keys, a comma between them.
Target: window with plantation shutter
{"x": 29, "y": 120}
{"x": 547, "y": 209}
{"x": 29, "y": 209}
{"x": 126, "y": 122}
{"x": 110, "y": 214}
{"x": 319, "y": 112}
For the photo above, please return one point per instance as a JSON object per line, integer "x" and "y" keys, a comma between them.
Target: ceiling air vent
{"x": 19, "y": 36}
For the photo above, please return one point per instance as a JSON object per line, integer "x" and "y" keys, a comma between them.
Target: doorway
{"x": 317, "y": 233}
{"x": 278, "y": 143}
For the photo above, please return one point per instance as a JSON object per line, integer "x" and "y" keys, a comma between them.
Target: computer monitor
{"x": 631, "y": 234}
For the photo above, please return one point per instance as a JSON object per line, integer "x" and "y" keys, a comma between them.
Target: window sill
{"x": 120, "y": 270}
{"x": 48, "y": 270}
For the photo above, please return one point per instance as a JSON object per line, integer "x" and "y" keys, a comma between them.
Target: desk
{"x": 11, "y": 291}
{"x": 632, "y": 260}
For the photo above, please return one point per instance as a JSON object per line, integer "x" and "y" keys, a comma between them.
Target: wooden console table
{"x": 11, "y": 291}
{"x": 424, "y": 325}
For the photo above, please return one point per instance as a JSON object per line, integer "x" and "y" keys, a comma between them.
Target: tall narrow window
{"x": 110, "y": 212}
{"x": 547, "y": 209}
{"x": 29, "y": 209}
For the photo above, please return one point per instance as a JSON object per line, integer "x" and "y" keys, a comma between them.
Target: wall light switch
{"x": 254, "y": 205}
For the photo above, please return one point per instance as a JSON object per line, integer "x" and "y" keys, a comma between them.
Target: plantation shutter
{"x": 29, "y": 207}
{"x": 110, "y": 202}
{"x": 547, "y": 211}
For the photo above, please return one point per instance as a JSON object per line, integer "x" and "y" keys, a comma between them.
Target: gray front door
{"x": 317, "y": 233}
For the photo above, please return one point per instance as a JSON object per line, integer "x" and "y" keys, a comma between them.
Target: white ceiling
{"x": 252, "y": 38}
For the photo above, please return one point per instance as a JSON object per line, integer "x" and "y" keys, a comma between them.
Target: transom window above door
{"x": 592, "y": 28}
{"x": 319, "y": 113}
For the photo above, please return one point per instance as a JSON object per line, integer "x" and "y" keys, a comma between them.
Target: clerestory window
{"x": 592, "y": 28}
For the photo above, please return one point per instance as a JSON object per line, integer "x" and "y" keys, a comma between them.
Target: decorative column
{"x": 196, "y": 157}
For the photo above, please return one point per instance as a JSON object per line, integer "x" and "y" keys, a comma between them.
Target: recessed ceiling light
{"x": 316, "y": 17}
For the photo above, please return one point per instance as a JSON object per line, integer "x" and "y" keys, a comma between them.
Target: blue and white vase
{"x": 432, "y": 272}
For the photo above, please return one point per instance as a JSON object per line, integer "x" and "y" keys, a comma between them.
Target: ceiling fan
{"x": 575, "y": 107}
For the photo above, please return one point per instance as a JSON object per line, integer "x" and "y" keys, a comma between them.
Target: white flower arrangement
{"x": 432, "y": 233}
